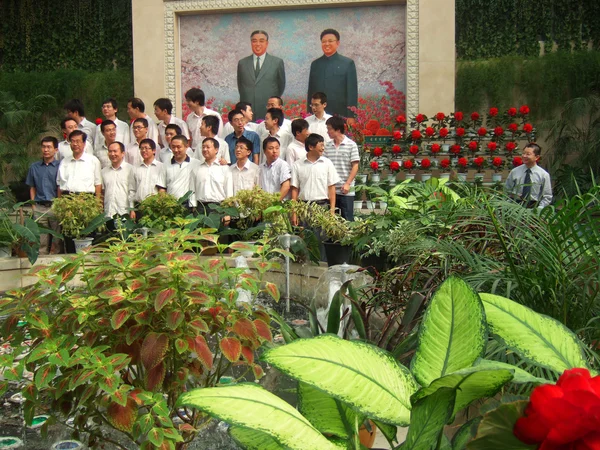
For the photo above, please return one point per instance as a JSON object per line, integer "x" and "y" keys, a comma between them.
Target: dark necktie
{"x": 257, "y": 67}
{"x": 526, "y": 185}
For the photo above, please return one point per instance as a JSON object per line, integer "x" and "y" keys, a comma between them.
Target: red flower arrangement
{"x": 460, "y": 131}
{"x": 475, "y": 116}
{"x": 524, "y": 110}
{"x": 510, "y": 147}
{"x": 394, "y": 166}
{"x": 429, "y": 131}
{"x": 512, "y": 112}
{"x": 414, "y": 149}
{"x": 377, "y": 151}
{"x": 498, "y": 131}
{"x": 497, "y": 162}
{"x": 435, "y": 148}
{"x": 564, "y": 415}
{"x": 396, "y": 149}
{"x": 478, "y": 162}
{"x": 493, "y": 112}
{"x": 462, "y": 163}
{"x": 492, "y": 146}
{"x": 455, "y": 149}
{"x": 473, "y": 146}
{"x": 517, "y": 161}
{"x": 397, "y": 135}
{"x": 98, "y": 121}
{"x": 440, "y": 116}
{"x": 408, "y": 164}
{"x": 400, "y": 119}
{"x": 527, "y": 128}
{"x": 415, "y": 135}
{"x": 425, "y": 163}
{"x": 367, "y": 132}
{"x": 383, "y": 132}
{"x": 459, "y": 116}
{"x": 372, "y": 125}
{"x": 420, "y": 118}
{"x": 443, "y": 132}
{"x": 513, "y": 127}
{"x": 482, "y": 131}
{"x": 445, "y": 163}
{"x": 374, "y": 166}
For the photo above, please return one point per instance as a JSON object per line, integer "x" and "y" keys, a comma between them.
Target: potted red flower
{"x": 408, "y": 166}
{"x": 463, "y": 166}
{"x": 479, "y": 164}
{"x": 498, "y": 165}
{"x": 394, "y": 169}
{"x": 445, "y": 166}
{"x": 375, "y": 176}
{"x": 425, "y": 166}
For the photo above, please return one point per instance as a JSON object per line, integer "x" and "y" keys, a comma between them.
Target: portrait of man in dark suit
{"x": 260, "y": 75}
{"x": 335, "y": 75}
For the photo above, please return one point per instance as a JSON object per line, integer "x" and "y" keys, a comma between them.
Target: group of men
{"x": 307, "y": 159}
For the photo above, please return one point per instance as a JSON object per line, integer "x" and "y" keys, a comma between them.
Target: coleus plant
{"x": 115, "y": 342}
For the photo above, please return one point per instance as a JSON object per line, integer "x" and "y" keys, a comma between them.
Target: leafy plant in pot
{"x": 161, "y": 211}
{"x": 148, "y": 322}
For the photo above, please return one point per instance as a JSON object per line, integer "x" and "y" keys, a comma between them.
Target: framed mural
{"x": 215, "y": 51}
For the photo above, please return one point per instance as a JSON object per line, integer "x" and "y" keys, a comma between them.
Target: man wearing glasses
{"x": 236, "y": 118}
{"x": 140, "y": 132}
{"x": 334, "y": 75}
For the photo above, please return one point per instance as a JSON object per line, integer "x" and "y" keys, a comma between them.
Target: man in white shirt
{"x": 285, "y": 124}
{"x": 163, "y": 108}
{"x": 275, "y": 174}
{"x": 195, "y": 100}
{"x": 244, "y": 173}
{"x": 343, "y": 153}
{"x": 108, "y": 130}
{"x": 175, "y": 177}
{"x": 140, "y": 132}
{"x": 80, "y": 172}
{"x": 68, "y": 125}
{"x": 165, "y": 155}
{"x": 528, "y": 183}
{"x": 317, "y": 121}
{"x": 109, "y": 111}
{"x": 135, "y": 110}
{"x": 75, "y": 110}
{"x": 246, "y": 110}
{"x": 297, "y": 149}
{"x": 115, "y": 181}
{"x": 273, "y": 119}
{"x": 211, "y": 181}
{"x": 208, "y": 127}
{"x": 145, "y": 176}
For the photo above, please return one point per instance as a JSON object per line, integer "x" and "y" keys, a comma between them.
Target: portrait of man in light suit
{"x": 335, "y": 75}
{"x": 260, "y": 75}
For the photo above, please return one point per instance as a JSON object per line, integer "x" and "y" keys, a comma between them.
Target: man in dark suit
{"x": 260, "y": 75}
{"x": 335, "y": 75}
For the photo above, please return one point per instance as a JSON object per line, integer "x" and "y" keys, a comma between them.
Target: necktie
{"x": 257, "y": 67}
{"x": 527, "y": 185}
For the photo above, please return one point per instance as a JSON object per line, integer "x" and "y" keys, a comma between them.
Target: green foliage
{"x": 161, "y": 211}
{"x": 46, "y": 35}
{"x": 77, "y": 213}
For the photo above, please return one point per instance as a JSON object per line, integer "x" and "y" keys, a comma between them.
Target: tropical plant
{"x": 161, "y": 211}
{"x": 79, "y": 214}
{"x": 150, "y": 320}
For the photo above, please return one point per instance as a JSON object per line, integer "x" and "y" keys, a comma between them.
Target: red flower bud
{"x": 429, "y": 131}
{"x": 512, "y": 112}
{"x": 473, "y": 146}
{"x": 408, "y": 164}
{"x": 497, "y": 161}
{"x": 527, "y": 128}
{"x": 517, "y": 161}
{"x": 425, "y": 163}
{"x": 493, "y": 112}
{"x": 440, "y": 116}
{"x": 482, "y": 132}
{"x": 377, "y": 151}
{"x": 445, "y": 163}
{"x": 460, "y": 131}
{"x": 513, "y": 127}
{"x": 414, "y": 149}
{"x": 492, "y": 146}
{"x": 498, "y": 131}
{"x": 478, "y": 161}
{"x": 400, "y": 119}
{"x": 459, "y": 116}
{"x": 420, "y": 118}
{"x": 443, "y": 132}
{"x": 374, "y": 165}
{"x": 98, "y": 121}
{"x": 524, "y": 110}
{"x": 394, "y": 166}
{"x": 510, "y": 147}
{"x": 397, "y": 135}
{"x": 474, "y": 116}
{"x": 455, "y": 149}
{"x": 396, "y": 149}
{"x": 435, "y": 148}
{"x": 463, "y": 162}
{"x": 415, "y": 135}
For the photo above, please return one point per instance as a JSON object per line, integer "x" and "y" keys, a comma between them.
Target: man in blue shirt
{"x": 41, "y": 180}
{"x": 236, "y": 118}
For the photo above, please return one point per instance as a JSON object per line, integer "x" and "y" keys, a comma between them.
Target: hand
{"x": 346, "y": 188}
{"x": 132, "y": 215}
{"x": 223, "y": 162}
{"x": 226, "y": 220}
{"x": 294, "y": 220}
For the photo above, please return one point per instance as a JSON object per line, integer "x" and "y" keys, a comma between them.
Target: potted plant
{"x": 498, "y": 165}
{"x": 445, "y": 165}
{"x": 425, "y": 166}
{"x": 375, "y": 176}
{"x": 478, "y": 163}
{"x": 394, "y": 169}
{"x": 79, "y": 215}
{"x": 462, "y": 166}
{"x": 161, "y": 211}
{"x": 407, "y": 167}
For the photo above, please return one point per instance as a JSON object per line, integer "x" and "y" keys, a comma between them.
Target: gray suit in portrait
{"x": 256, "y": 90}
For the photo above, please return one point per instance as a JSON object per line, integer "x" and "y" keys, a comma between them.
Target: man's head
{"x": 179, "y": 145}
{"x": 318, "y": 102}
{"x": 116, "y": 153}
{"x": 246, "y": 109}
{"x": 136, "y": 108}
{"x": 209, "y": 126}
{"x": 140, "y": 129}
{"x": 243, "y": 149}
{"x": 335, "y": 126}
{"x": 315, "y": 143}
{"x": 109, "y": 131}
{"x": 77, "y": 140}
{"x": 275, "y": 102}
{"x": 273, "y": 119}
{"x": 163, "y": 108}
{"x": 236, "y": 118}
{"x": 74, "y": 109}
{"x": 68, "y": 125}
{"x": 210, "y": 148}
{"x": 49, "y": 147}
{"x": 110, "y": 108}
{"x": 171, "y": 131}
{"x": 330, "y": 41}
{"x": 195, "y": 98}
{"x": 271, "y": 147}
{"x": 260, "y": 41}
{"x": 531, "y": 154}
{"x": 147, "y": 150}
{"x": 300, "y": 129}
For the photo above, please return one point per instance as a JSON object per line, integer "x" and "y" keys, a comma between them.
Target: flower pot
{"x": 410, "y": 176}
{"x": 11, "y": 443}
{"x": 383, "y": 206}
{"x": 82, "y": 244}
{"x": 367, "y": 438}
{"x": 379, "y": 263}
{"x": 445, "y": 176}
{"x": 425, "y": 176}
{"x": 478, "y": 177}
{"x": 445, "y": 148}
{"x": 70, "y": 445}
{"x": 375, "y": 177}
{"x": 496, "y": 177}
{"x": 337, "y": 253}
{"x": 391, "y": 177}
{"x": 358, "y": 205}
{"x": 461, "y": 176}
{"x": 369, "y": 205}
{"x": 361, "y": 178}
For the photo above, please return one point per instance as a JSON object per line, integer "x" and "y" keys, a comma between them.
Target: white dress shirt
{"x": 166, "y": 154}
{"x": 223, "y": 152}
{"x": 133, "y": 155}
{"x": 262, "y": 131}
{"x": 64, "y": 150}
{"x": 272, "y": 177}
{"x": 115, "y": 183}
{"x": 89, "y": 129}
{"x": 152, "y": 131}
{"x": 122, "y": 135}
{"x": 176, "y": 177}
{"x": 244, "y": 178}
{"x": 295, "y": 152}
{"x": 193, "y": 122}
{"x": 210, "y": 182}
{"x": 318, "y": 126}
{"x": 284, "y": 138}
{"x": 144, "y": 179}
{"x": 79, "y": 175}
{"x": 314, "y": 178}
{"x": 163, "y": 126}
{"x": 102, "y": 155}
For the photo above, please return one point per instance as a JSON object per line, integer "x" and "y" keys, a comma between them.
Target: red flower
{"x": 420, "y": 118}
{"x": 445, "y": 163}
{"x": 474, "y": 116}
{"x": 517, "y": 161}
{"x": 459, "y": 116}
{"x": 408, "y": 164}
{"x": 98, "y": 121}
{"x": 513, "y": 127}
{"x": 455, "y": 149}
{"x": 443, "y": 132}
{"x": 493, "y": 112}
{"x": 479, "y": 161}
{"x": 524, "y": 110}
{"x": 400, "y": 119}
{"x": 435, "y": 148}
{"x": 498, "y": 131}
{"x": 397, "y": 135}
{"x": 414, "y": 149}
{"x": 440, "y": 116}
{"x": 367, "y": 132}
{"x": 415, "y": 135}
{"x": 497, "y": 161}
{"x": 527, "y": 128}
{"x": 463, "y": 162}
{"x": 473, "y": 146}
{"x": 374, "y": 165}
{"x": 429, "y": 131}
{"x": 565, "y": 415}
{"x": 394, "y": 166}
{"x": 460, "y": 131}
{"x": 425, "y": 163}
{"x": 482, "y": 132}
{"x": 512, "y": 112}
{"x": 510, "y": 147}
{"x": 396, "y": 149}
{"x": 372, "y": 125}
{"x": 383, "y": 132}
{"x": 377, "y": 151}
{"x": 492, "y": 146}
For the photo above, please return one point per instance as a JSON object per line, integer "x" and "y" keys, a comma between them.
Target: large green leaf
{"x": 537, "y": 338}
{"x": 453, "y": 333}
{"x": 465, "y": 434}
{"x": 520, "y": 377}
{"x": 249, "y": 405}
{"x": 361, "y": 375}
{"x": 254, "y": 440}
{"x": 429, "y": 415}
{"x": 470, "y": 386}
